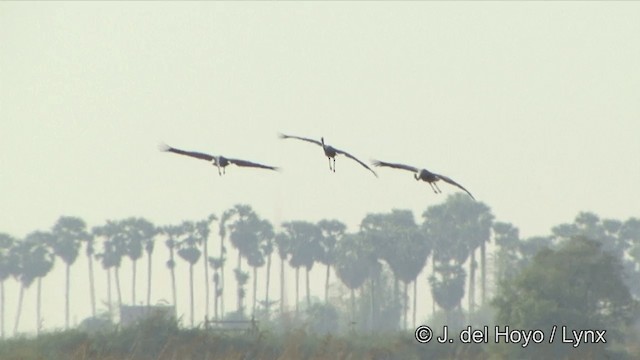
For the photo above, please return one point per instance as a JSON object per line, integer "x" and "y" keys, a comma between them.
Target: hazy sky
{"x": 532, "y": 106}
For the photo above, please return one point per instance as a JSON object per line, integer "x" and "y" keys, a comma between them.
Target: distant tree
{"x": 145, "y": 232}
{"x": 604, "y": 231}
{"x": 323, "y": 318}
{"x": 222, "y": 231}
{"x": 353, "y": 261}
{"x": 268, "y": 236}
{"x": 304, "y": 246}
{"x": 35, "y": 260}
{"x": 630, "y": 233}
{"x": 203, "y": 229}
{"x": 283, "y": 243}
{"x": 332, "y": 231}
{"x": 458, "y": 227}
{"x": 244, "y": 225}
{"x": 90, "y": 253}
{"x": 398, "y": 241}
{"x": 113, "y": 249}
{"x": 173, "y": 233}
{"x": 216, "y": 264}
{"x": 265, "y": 235}
{"x": 188, "y": 250}
{"x": 579, "y": 286}
{"x": 8, "y": 267}
{"x": 67, "y": 236}
{"x": 507, "y": 239}
{"x": 529, "y": 247}
{"x": 447, "y": 286}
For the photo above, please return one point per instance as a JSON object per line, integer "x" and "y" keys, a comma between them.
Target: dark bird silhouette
{"x": 220, "y": 161}
{"x": 424, "y": 175}
{"x": 329, "y": 151}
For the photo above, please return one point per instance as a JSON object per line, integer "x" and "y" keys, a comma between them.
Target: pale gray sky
{"x": 533, "y": 106}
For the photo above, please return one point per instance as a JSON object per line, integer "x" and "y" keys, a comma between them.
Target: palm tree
{"x": 7, "y": 268}
{"x": 90, "y": 252}
{"x": 604, "y": 231}
{"x": 140, "y": 236}
{"x": 188, "y": 250}
{"x": 245, "y": 238}
{"x": 133, "y": 250}
{"x": 397, "y": 240}
{"x": 203, "y": 229}
{"x": 352, "y": 264}
{"x": 216, "y": 264}
{"x": 35, "y": 260}
{"x": 222, "y": 231}
{"x": 173, "y": 233}
{"x": 284, "y": 249}
{"x": 458, "y": 227}
{"x": 267, "y": 234}
{"x": 507, "y": 239}
{"x": 304, "y": 246}
{"x": 113, "y": 249}
{"x": 68, "y": 234}
{"x": 450, "y": 251}
{"x": 332, "y": 231}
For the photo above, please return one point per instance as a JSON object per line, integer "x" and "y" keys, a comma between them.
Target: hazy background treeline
{"x": 584, "y": 274}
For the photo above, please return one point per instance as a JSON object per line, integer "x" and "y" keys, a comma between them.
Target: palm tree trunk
{"x": 206, "y": 277}
{"x": 308, "y": 290}
{"x": 297, "y": 288}
{"x": 266, "y": 289}
{"x": 255, "y": 288}
{"x": 215, "y": 298}
{"x": 483, "y": 270}
{"x": 133, "y": 282}
{"x": 472, "y": 281}
{"x": 222, "y": 277}
{"x": 66, "y": 295}
{"x": 148, "y": 279}
{"x": 353, "y": 306}
{"x": 173, "y": 283}
{"x": 191, "y": 290}
{"x": 109, "y": 303}
{"x": 2, "y": 309}
{"x": 433, "y": 273}
{"x": 19, "y": 311}
{"x": 415, "y": 300}
{"x": 406, "y": 304}
{"x": 117, "y": 273}
{"x": 373, "y": 305}
{"x": 281, "y": 286}
{"x": 396, "y": 290}
{"x": 39, "y": 306}
{"x": 326, "y": 285}
{"x": 239, "y": 291}
{"x": 92, "y": 288}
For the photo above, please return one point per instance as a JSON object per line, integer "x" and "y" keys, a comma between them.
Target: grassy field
{"x": 159, "y": 339}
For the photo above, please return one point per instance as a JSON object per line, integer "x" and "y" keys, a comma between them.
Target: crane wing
{"x": 354, "y": 158}
{"x": 245, "y": 163}
{"x": 283, "y": 136}
{"x": 396, "y": 166}
{"x": 450, "y": 181}
{"x": 197, "y": 155}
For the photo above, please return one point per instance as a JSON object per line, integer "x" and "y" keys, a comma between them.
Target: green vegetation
{"x": 583, "y": 275}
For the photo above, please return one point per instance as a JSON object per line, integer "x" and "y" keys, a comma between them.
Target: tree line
{"x": 378, "y": 264}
